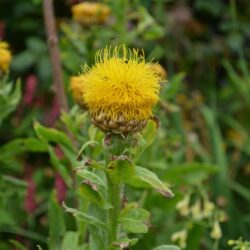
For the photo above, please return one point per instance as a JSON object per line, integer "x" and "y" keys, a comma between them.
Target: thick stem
{"x": 50, "y": 27}
{"x": 114, "y": 196}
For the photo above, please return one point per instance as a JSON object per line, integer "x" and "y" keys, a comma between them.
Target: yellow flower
{"x": 76, "y": 85}
{"x": 180, "y": 237}
{"x": 208, "y": 209}
{"x": 120, "y": 90}
{"x": 159, "y": 70}
{"x": 216, "y": 231}
{"x": 196, "y": 210}
{"x": 183, "y": 206}
{"x": 5, "y": 56}
{"x": 90, "y": 13}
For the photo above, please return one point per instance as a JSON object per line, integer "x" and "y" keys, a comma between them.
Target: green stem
{"x": 114, "y": 196}
{"x": 82, "y": 225}
{"x": 216, "y": 245}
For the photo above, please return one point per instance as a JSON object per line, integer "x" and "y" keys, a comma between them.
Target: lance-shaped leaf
{"x": 59, "y": 166}
{"x": 121, "y": 169}
{"x": 52, "y": 135}
{"x": 84, "y": 217}
{"x": 18, "y": 245}
{"x": 134, "y": 219}
{"x": 56, "y": 224}
{"x": 92, "y": 193}
{"x": 93, "y": 177}
{"x": 85, "y": 145}
{"x": 18, "y": 146}
{"x": 70, "y": 240}
{"x": 167, "y": 247}
{"x": 145, "y": 178}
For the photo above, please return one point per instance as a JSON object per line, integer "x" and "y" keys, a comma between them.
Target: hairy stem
{"x": 114, "y": 196}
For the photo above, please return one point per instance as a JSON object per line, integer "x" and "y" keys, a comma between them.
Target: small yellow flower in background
{"x": 208, "y": 209}
{"x": 239, "y": 244}
{"x": 231, "y": 242}
{"x": 120, "y": 90}
{"x": 216, "y": 232}
{"x": 180, "y": 237}
{"x": 76, "y": 85}
{"x": 5, "y": 56}
{"x": 183, "y": 206}
{"x": 90, "y": 13}
{"x": 159, "y": 70}
{"x": 196, "y": 210}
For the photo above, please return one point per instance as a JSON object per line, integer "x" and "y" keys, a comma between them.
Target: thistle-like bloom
{"x": 90, "y": 13}
{"x": 5, "y": 56}
{"x": 120, "y": 90}
{"x": 76, "y": 85}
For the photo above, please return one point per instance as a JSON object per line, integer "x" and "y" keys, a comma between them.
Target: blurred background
{"x": 202, "y": 148}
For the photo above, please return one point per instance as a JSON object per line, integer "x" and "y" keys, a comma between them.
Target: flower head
{"x": 120, "y": 90}
{"x": 90, "y": 13}
{"x": 5, "y": 56}
{"x": 76, "y": 85}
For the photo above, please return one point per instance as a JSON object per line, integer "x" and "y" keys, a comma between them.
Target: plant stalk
{"x": 114, "y": 197}
{"x": 52, "y": 38}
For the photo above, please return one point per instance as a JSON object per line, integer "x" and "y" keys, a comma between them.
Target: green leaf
{"x": 195, "y": 236}
{"x": 23, "y": 61}
{"x": 85, "y": 145}
{"x": 241, "y": 190}
{"x": 134, "y": 219}
{"x": 149, "y": 133}
{"x": 145, "y": 178}
{"x": 18, "y": 245}
{"x": 70, "y": 241}
{"x": 94, "y": 178}
{"x": 144, "y": 139}
{"x": 190, "y": 173}
{"x": 14, "y": 181}
{"x": 167, "y": 247}
{"x": 121, "y": 169}
{"x": 9, "y": 98}
{"x": 52, "y": 135}
{"x": 17, "y": 146}
{"x": 56, "y": 224}
{"x": 59, "y": 166}
{"x": 36, "y": 45}
{"x": 84, "y": 217}
{"x": 218, "y": 152}
{"x": 97, "y": 238}
{"x": 89, "y": 192}
{"x": 134, "y": 226}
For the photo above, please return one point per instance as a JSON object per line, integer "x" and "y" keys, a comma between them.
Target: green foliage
{"x": 10, "y": 95}
{"x": 201, "y": 148}
{"x": 134, "y": 220}
{"x": 167, "y": 247}
{"x": 145, "y": 178}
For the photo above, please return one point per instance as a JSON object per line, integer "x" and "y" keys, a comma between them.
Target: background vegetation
{"x": 201, "y": 149}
